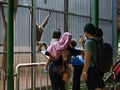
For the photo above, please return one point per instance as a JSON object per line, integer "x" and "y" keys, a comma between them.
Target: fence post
{"x": 10, "y": 43}
{"x": 96, "y": 13}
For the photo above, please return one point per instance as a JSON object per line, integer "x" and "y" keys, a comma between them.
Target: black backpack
{"x": 104, "y": 56}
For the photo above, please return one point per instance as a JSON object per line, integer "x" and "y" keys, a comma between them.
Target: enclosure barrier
{"x": 38, "y": 78}
{"x": 26, "y": 71}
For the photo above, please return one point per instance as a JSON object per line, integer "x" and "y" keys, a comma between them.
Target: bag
{"x": 77, "y": 60}
{"x": 66, "y": 73}
{"x": 104, "y": 56}
{"x": 116, "y": 70}
{"x": 65, "y": 76}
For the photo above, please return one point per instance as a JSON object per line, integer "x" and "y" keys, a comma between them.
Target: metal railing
{"x": 31, "y": 76}
{"x": 28, "y": 74}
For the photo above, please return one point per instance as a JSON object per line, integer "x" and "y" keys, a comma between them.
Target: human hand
{"x": 72, "y": 57}
{"x": 45, "y": 69}
{"x": 81, "y": 40}
{"x": 84, "y": 76}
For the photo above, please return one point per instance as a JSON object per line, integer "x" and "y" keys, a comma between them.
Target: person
{"x": 55, "y": 36}
{"x": 55, "y": 64}
{"x": 99, "y": 33}
{"x": 90, "y": 74}
{"x": 59, "y": 48}
{"x": 77, "y": 63}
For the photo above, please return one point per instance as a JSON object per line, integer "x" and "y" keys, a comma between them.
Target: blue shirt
{"x": 77, "y": 60}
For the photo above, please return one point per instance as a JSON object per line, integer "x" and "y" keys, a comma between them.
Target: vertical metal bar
{"x": 17, "y": 80}
{"x": 10, "y": 46}
{"x": 40, "y": 79}
{"x": 90, "y": 11}
{"x": 96, "y": 13}
{"x": 47, "y": 81}
{"x": 66, "y": 6}
{"x": 114, "y": 27}
{"x": 33, "y": 42}
{"x": 2, "y": 80}
{"x": 65, "y": 15}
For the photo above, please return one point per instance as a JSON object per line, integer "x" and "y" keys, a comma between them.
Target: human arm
{"x": 48, "y": 61}
{"x": 82, "y": 41}
{"x": 87, "y": 58}
{"x": 88, "y": 55}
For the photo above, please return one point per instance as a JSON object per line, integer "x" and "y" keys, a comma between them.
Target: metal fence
{"x": 80, "y": 12}
{"x": 28, "y": 76}
{"x": 31, "y": 76}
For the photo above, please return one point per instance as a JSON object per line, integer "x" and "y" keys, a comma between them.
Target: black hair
{"x": 90, "y": 28}
{"x": 99, "y": 32}
{"x": 56, "y": 34}
{"x": 73, "y": 43}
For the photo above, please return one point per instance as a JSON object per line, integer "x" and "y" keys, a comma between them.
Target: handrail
{"x": 26, "y": 65}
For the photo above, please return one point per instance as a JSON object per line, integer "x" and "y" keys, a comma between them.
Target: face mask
{"x": 85, "y": 37}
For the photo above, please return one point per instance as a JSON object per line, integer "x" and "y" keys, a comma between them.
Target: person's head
{"x": 73, "y": 43}
{"x": 89, "y": 30}
{"x": 65, "y": 38}
{"x": 44, "y": 46}
{"x": 59, "y": 46}
{"x": 56, "y": 34}
{"x": 99, "y": 32}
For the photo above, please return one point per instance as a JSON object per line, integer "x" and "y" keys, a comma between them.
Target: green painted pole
{"x": 65, "y": 15}
{"x": 96, "y": 13}
{"x": 10, "y": 46}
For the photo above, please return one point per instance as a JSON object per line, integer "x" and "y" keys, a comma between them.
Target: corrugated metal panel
{"x": 51, "y": 4}
{"x": 22, "y": 27}
{"x": 78, "y": 10}
{"x": 76, "y": 25}
{"x": 79, "y": 7}
{"x": 25, "y": 2}
{"x": 107, "y": 30}
{"x": 80, "y": 13}
{"x": 105, "y": 9}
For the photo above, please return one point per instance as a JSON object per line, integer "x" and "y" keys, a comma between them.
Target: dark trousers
{"x": 95, "y": 79}
{"x": 56, "y": 81}
{"x": 76, "y": 77}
